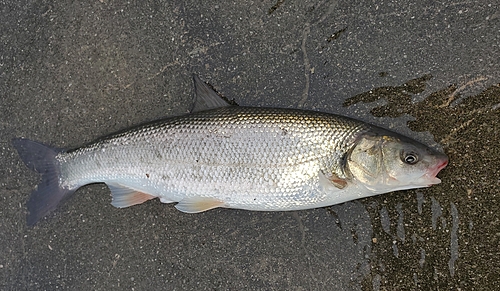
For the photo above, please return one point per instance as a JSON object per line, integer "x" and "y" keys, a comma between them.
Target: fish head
{"x": 389, "y": 162}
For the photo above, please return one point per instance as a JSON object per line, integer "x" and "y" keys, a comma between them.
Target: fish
{"x": 229, "y": 156}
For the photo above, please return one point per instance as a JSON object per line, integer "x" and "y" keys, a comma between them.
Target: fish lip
{"x": 432, "y": 173}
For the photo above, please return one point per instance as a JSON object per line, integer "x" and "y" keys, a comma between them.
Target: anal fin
{"x": 125, "y": 197}
{"x": 198, "y": 204}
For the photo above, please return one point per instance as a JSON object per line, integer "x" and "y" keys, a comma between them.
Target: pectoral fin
{"x": 198, "y": 204}
{"x": 332, "y": 181}
{"x": 125, "y": 197}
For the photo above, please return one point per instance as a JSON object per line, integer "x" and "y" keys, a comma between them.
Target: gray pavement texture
{"x": 72, "y": 71}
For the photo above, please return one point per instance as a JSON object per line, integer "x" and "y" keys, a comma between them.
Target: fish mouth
{"x": 432, "y": 173}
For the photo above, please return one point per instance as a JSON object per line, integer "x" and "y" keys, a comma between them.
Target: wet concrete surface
{"x": 71, "y": 72}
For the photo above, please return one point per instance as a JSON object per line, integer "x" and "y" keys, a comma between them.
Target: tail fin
{"x": 48, "y": 194}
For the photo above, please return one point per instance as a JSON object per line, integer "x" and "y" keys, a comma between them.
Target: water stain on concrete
{"x": 442, "y": 248}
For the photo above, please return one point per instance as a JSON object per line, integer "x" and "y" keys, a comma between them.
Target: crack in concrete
{"x": 307, "y": 65}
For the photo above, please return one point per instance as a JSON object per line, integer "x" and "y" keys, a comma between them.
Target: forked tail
{"x": 48, "y": 194}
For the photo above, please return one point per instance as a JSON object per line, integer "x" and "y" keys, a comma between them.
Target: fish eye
{"x": 410, "y": 158}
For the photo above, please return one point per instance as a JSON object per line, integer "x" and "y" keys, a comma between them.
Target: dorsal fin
{"x": 205, "y": 98}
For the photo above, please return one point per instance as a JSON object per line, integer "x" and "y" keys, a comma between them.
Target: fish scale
{"x": 252, "y": 158}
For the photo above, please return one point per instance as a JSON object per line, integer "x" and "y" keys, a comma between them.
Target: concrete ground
{"x": 72, "y": 72}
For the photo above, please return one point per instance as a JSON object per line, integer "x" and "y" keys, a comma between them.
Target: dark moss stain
{"x": 275, "y": 6}
{"x": 469, "y": 133}
{"x": 334, "y": 214}
{"x": 354, "y": 235}
{"x": 336, "y": 34}
{"x": 399, "y": 99}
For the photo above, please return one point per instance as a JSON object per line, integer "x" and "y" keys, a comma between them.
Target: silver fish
{"x": 267, "y": 159}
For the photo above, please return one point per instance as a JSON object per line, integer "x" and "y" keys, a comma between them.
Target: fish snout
{"x": 441, "y": 163}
